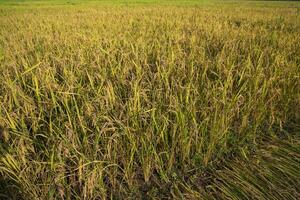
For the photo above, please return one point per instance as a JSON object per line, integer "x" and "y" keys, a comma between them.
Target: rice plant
{"x": 149, "y": 100}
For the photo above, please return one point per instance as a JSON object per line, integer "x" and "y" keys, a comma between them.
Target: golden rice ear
{"x": 4, "y": 134}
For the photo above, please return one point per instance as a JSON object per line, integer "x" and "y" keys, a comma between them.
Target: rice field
{"x": 149, "y": 100}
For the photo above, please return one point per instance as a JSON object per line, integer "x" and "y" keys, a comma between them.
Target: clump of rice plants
{"x": 110, "y": 101}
